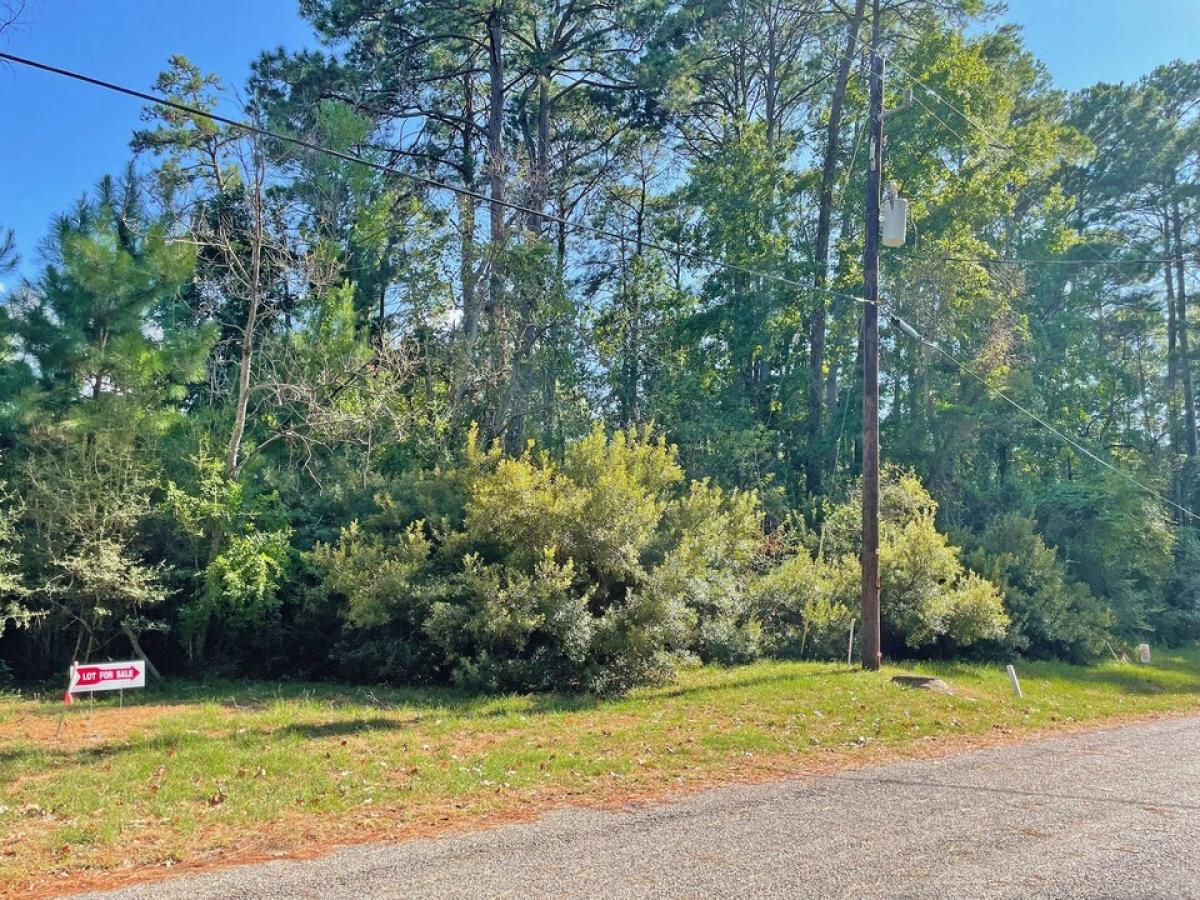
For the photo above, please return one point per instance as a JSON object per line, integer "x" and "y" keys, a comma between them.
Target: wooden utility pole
{"x": 870, "y": 355}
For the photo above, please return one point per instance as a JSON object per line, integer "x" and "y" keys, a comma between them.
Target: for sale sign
{"x": 107, "y": 676}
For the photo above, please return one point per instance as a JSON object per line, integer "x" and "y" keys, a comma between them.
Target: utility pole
{"x": 870, "y": 356}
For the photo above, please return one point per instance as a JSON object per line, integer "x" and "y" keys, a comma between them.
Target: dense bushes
{"x": 84, "y": 575}
{"x": 1179, "y": 619}
{"x": 806, "y": 605}
{"x": 597, "y": 569}
{"x": 1052, "y": 616}
{"x": 12, "y": 589}
{"x": 606, "y": 569}
{"x": 927, "y": 596}
{"x": 239, "y": 548}
{"x": 594, "y": 573}
{"x": 236, "y": 386}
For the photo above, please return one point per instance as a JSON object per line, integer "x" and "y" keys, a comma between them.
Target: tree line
{"x": 561, "y": 388}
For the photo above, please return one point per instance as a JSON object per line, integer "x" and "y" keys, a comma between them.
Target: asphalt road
{"x": 1107, "y": 814}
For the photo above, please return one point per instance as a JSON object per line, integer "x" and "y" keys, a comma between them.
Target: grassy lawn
{"x": 195, "y": 774}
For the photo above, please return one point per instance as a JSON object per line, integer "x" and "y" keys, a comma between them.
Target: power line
{"x": 1100, "y": 260}
{"x": 590, "y": 229}
{"x": 991, "y": 389}
{"x": 950, "y": 128}
{"x": 698, "y": 259}
{"x": 989, "y": 132}
{"x": 996, "y": 392}
{"x": 1048, "y": 261}
{"x": 984, "y": 129}
{"x": 966, "y": 369}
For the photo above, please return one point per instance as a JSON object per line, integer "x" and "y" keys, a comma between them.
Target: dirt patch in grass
{"x": 305, "y": 836}
{"x": 105, "y": 724}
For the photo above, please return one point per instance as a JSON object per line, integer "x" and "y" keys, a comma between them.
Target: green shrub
{"x": 708, "y": 541}
{"x": 1116, "y": 540}
{"x": 377, "y": 577}
{"x": 516, "y": 629}
{"x": 1180, "y": 619}
{"x": 1052, "y": 616}
{"x": 926, "y": 594}
{"x": 12, "y": 583}
{"x": 976, "y": 612}
{"x": 805, "y": 605}
{"x": 639, "y": 641}
{"x": 600, "y": 509}
{"x": 596, "y": 573}
{"x": 387, "y": 596}
{"x": 604, "y": 570}
{"x": 240, "y": 552}
{"x": 82, "y": 511}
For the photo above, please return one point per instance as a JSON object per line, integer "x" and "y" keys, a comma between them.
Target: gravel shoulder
{"x": 1112, "y": 813}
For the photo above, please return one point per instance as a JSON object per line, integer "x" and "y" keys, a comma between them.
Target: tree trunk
{"x": 814, "y": 469}
{"x": 496, "y": 166}
{"x": 1185, "y": 367}
{"x": 136, "y": 645}
{"x": 496, "y": 305}
{"x": 468, "y": 258}
{"x": 540, "y": 186}
{"x": 232, "y": 457}
{"x": 520, "y": 379}
{"x": 1172, "y": 343}
{"x": 467, "y": 220}
{"x": 253, "y": 284}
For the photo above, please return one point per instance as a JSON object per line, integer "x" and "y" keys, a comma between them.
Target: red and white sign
{"x": 107, "y": 676}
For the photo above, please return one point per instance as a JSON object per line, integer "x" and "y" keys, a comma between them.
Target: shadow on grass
{"x": 1171, "y": 674}
{"x": 1130, "y": 680}
{"x": 258, "y": 696}
{"x": 316, "y": 731}
{"x": 168, "y": 742}
{"x": 255, "y": 698}
{"x": 740, "y": 683}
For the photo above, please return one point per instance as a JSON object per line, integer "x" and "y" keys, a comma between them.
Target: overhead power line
{"x": 984, "y": 129}
{"x": 988, "y": 131}
{"x": 1048, "y": 261}
{"x": 950, "y": 128}
{"x": 984, "y": 260}
{"x": 425, "y": 180}
{"x": 995, "y": 392}
{"x": 599, "y": 232}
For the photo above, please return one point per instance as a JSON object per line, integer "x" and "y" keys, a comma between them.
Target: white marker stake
{"x": 1016, "y": 685}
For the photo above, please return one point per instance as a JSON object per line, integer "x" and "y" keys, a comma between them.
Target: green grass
{"x": 200, "y": 772}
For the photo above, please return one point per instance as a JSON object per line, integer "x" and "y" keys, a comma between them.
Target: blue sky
{"x": 1085, "y": 41}
{"x": 60, "y": 137}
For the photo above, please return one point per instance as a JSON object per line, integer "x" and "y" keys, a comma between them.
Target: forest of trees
{"x": 562, "y": 389}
